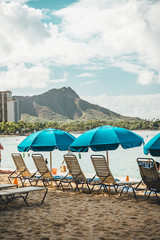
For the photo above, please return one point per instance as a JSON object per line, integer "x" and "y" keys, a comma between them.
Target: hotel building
{"x": 9, "y": 107}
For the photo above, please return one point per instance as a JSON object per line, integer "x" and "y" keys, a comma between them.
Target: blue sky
{"x": 107, "y": 51}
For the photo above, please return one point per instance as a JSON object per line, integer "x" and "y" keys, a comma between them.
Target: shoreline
{"x": 72, "y": 132}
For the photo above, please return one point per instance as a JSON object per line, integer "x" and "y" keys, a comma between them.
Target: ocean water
{"x": 122, "y": 162}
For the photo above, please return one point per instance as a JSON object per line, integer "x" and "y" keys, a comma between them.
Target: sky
{"x": 107, "y": 51}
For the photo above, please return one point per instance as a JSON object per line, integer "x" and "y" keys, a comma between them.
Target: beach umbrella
{"x": 105, "y": 138}
{"x": 47, "y": 140}
{"x": 153, "y": 146}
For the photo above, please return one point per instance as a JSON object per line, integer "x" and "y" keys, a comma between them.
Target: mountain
{"x": 62, "y": 105}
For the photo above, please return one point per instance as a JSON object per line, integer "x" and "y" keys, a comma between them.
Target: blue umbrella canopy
{"x": 153, "y": 146}
{"x": 47, "y": 140}
{"x": 106, "y": 138}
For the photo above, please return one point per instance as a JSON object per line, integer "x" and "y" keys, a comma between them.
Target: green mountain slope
{"x": 62, "y": 105}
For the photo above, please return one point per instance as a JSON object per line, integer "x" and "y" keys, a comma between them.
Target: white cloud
{"x": 159, "y": 77}
{"x": 89, "y": 82}
{"x": 123, "y": 34}
{"x": 18, "y": 76}
{"x": 143, "y": 106}
{"x": 145, "y": 77}
{"x": 60, "y": 80}
{"x": 116, "y": 31}
{"x": 21, "y": 33}
{"x": 86, "y": 74}
{"x": 19, "y": 1}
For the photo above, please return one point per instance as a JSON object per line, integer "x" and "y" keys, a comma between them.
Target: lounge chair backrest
{"x": 74, "y": 168}
{"x": 41, "y": 166}
{"x": 102, "y": 169}
{"x": 20, "y": 165}
{"x": 149, "y": 173}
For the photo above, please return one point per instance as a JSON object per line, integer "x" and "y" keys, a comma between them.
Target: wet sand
{"x": 71, "y": 216}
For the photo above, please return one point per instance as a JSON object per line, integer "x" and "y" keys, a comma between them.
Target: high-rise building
{"x": 16, "y": 110}
{"x": 9, "y": 107}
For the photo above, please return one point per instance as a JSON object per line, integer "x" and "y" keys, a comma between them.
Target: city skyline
{"x": 106, "y": 51}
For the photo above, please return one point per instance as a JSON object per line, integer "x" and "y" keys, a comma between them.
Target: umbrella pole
{"x": 107, "y": 158}
{"x": 108, "y": 166}
{"x": 51, "y": 161}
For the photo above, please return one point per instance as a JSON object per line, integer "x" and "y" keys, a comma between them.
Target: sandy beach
{"x": 72, "y": 216}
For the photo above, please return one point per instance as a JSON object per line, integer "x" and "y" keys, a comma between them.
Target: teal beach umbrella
{"x": 47, "y": 140}
{"x": 153, "y": 146}
{"x": 106, "y": 138}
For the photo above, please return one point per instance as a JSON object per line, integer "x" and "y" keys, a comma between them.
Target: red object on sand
{"x": 1, "y": 147}
{"x": 5, "y": 171}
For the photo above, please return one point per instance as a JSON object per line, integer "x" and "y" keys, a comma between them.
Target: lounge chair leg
{"x": 36, "y": 182}
{"x": 145, "y": 192}
{"x": 70, "y": 185}
{"x": 106, "y": 190}
{"x": 88, "y": 188}
{"x": 134, "y": 193}
{"x": 44, "y": 196}
{"x": 122, "y": 191}
{"x": 127, "y": 188}
{"x": 9, "y": 179}
{"x": 92, "y": 188}
{"x": 43, "y": 181}
{"x": 116, "y": 188}
{"x": 25, "y": 199}
{"x": 157, "y": 198}
{"x": 149, "y": 194}
{"x": 76, "y": 188}
{"x": 8, "y": 199}
{"x": 22, "y": 182}
{"x": 60, "y": 184}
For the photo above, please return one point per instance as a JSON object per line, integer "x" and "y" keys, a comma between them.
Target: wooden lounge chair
{"x": 22, "y": 171}
{"x": 78, "y": 176}
{"x": 9, "y": 195}
{"x": 42, "y": 169}
{"x": 150, "y": 177}
{"x": 107, "y": 180}
{"x": 7, "y": 185}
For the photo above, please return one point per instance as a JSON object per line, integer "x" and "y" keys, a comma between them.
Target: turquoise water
{"x": 122, "y": 162}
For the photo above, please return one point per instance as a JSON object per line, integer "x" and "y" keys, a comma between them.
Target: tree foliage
{"x": 11, "y": 128}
